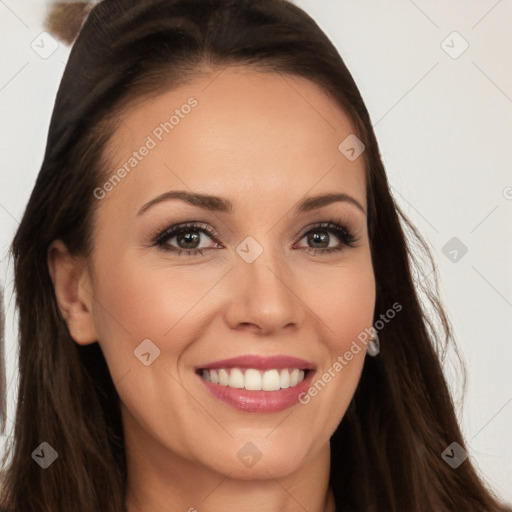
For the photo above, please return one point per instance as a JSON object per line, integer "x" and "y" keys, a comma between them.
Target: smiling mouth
{"x": 252, "y": 379}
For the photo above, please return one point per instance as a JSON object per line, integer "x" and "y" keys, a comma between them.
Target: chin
{"x": 261, "y": 459}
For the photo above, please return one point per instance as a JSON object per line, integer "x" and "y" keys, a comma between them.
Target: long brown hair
{"x": 386, "y": 452}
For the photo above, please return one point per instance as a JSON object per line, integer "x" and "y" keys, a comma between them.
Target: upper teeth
{"x": 255, "y": 380}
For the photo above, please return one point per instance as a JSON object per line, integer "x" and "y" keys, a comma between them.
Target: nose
{"x": 265, "y": 296}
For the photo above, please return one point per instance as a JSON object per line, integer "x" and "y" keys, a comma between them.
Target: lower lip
{"x": 259, "y": 401}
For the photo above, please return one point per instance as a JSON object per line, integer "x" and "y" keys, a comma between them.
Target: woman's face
{"x": 262, "y": 287}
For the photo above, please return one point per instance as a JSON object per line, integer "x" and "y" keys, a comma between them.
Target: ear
{"x": 72, "y": 285}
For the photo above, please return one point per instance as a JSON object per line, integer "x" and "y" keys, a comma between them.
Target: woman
{"x": 252, "y": 369}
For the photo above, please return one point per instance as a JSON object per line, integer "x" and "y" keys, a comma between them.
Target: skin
{"x": 263, "y": 141}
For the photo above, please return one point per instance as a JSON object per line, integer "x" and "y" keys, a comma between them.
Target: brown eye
{"x": 188, "y": 238}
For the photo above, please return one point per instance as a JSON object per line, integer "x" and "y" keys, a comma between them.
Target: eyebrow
{"x": 220, "y": 204}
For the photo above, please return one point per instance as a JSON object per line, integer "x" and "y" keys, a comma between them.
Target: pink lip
{"x": 260, "y": 363}
{"x": 260, "y": 401}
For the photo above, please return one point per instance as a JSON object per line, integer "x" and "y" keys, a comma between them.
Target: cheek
{"x": 343, "y": 299}
{"x": 137, "y": 302}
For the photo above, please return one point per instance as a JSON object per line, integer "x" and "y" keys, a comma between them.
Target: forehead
{"x": 235, "y": 130}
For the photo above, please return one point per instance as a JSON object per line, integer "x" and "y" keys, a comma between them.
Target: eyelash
{"x": 340, "y": 230}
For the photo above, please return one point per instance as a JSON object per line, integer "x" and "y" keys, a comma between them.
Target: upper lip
{"x": 260, "y": 363}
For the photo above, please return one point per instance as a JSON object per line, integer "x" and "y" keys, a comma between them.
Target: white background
{"x": 444, "y": 127}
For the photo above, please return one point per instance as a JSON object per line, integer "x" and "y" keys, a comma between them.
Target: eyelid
{"x": 344, "y": 220}
{"x": 159, "y": 235}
